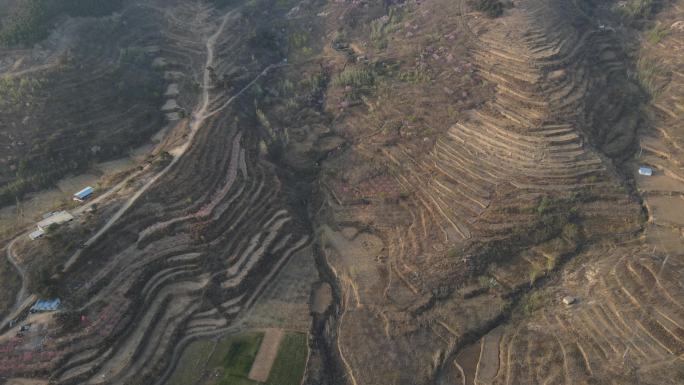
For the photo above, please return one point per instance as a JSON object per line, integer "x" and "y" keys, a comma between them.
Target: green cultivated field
{"x": 229, "y": 360}
{"x": 290, "y": 362}
{"x": 233, "y": 358}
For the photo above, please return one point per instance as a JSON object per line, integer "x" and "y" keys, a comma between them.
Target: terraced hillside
{"x": 189, "y": 251}
{"x": 659, "y": 66}
{"x": 627, "y": 327}
{"x": 625, "y": 330}
{"x": 505, "y": 194}
{"x": 419, "y": 185}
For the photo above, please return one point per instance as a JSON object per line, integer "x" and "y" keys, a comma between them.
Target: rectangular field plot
{"x": 290, "y": 362}
{"x": 229, "y": 360}
{"x": 223, "y": 362}
{"x": 267, "y": 354}
{"x": 233, "y": 358}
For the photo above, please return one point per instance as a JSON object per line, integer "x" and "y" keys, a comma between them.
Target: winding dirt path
{"x": 23, "y": 292}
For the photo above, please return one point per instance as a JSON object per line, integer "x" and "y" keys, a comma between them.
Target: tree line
{"x": 31, "y": 20}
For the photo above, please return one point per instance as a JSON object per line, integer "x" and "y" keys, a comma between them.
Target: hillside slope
{"x": 418, "y": 185}
{"x": 89, "y": 92}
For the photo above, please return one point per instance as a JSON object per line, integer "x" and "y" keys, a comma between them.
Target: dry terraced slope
{"x": 563, "y": 117}
{"x": 452, "y": 176}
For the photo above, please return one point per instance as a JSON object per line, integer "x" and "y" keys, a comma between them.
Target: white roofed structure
{"x": 645, "y": 170}
{"x": 57, "y": 218}
{"x": 36, "y": 234}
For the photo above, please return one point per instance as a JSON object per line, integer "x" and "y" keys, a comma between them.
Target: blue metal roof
{"x": 46, "y": 304}
{"x": 645, "y": 170}
{"x": 84, "y": 193}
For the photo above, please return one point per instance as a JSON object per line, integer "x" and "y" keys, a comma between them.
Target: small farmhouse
{"x": 83, "y": 194}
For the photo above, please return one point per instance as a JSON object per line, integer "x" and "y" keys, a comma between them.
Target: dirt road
{"x": 23, "y": 292}
{"x": 101, "y": 197}
{"x": 261, "y": 367}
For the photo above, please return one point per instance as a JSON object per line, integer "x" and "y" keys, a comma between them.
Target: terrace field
{"x": 345, "y": 192}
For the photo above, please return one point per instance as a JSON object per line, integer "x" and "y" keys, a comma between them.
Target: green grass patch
{"x": 656, "y": 34}
{"x": 636, "y": 10}
{"x": 222, "y": 3}
{"x": 414, "y": 76}
{"x": 226, "y": 362}
{"x": 233, "y": 359}
{"x": 232, "y": 380}
{"x": 354, "y": 77}
{"x": 384, "y": 26}
{"x": 533, "y": 301}
{"x": 235, "y": 354}
{"x": 299, "y": 41}
{"x": 18, "y": 90}
{"x": 289, "y": 365}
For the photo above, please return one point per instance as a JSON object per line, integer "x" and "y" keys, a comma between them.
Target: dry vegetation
{"x": 417, "y": 186}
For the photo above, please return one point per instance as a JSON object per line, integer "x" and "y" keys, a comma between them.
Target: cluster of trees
{"x": 28, "y": 23}
{"x": 17, "y": 91}
{"x": 27, "y": 181}
{"x": 491, "y": 8}
{"x": 44, "y": 282}
{"x": 30, "y": 20}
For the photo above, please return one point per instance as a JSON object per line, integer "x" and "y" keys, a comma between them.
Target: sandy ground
{"x": 26, "y": 381}
{"x": 668, "y": 241}
{"x": 667, "y": 210}
{"x": 266, "y": 355}
{"x": 115, "y": 166}
{"x": 322, "y": 298}
{"x": 72, "y": 185}
{"x": 31, "y": 208}
{"x": 467, "y": 360}
{"x": 488, "y": 364}
{"x": 356, "y": 260}
{"x": 40, "y": 323}
{"x": 659, "y": 182}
